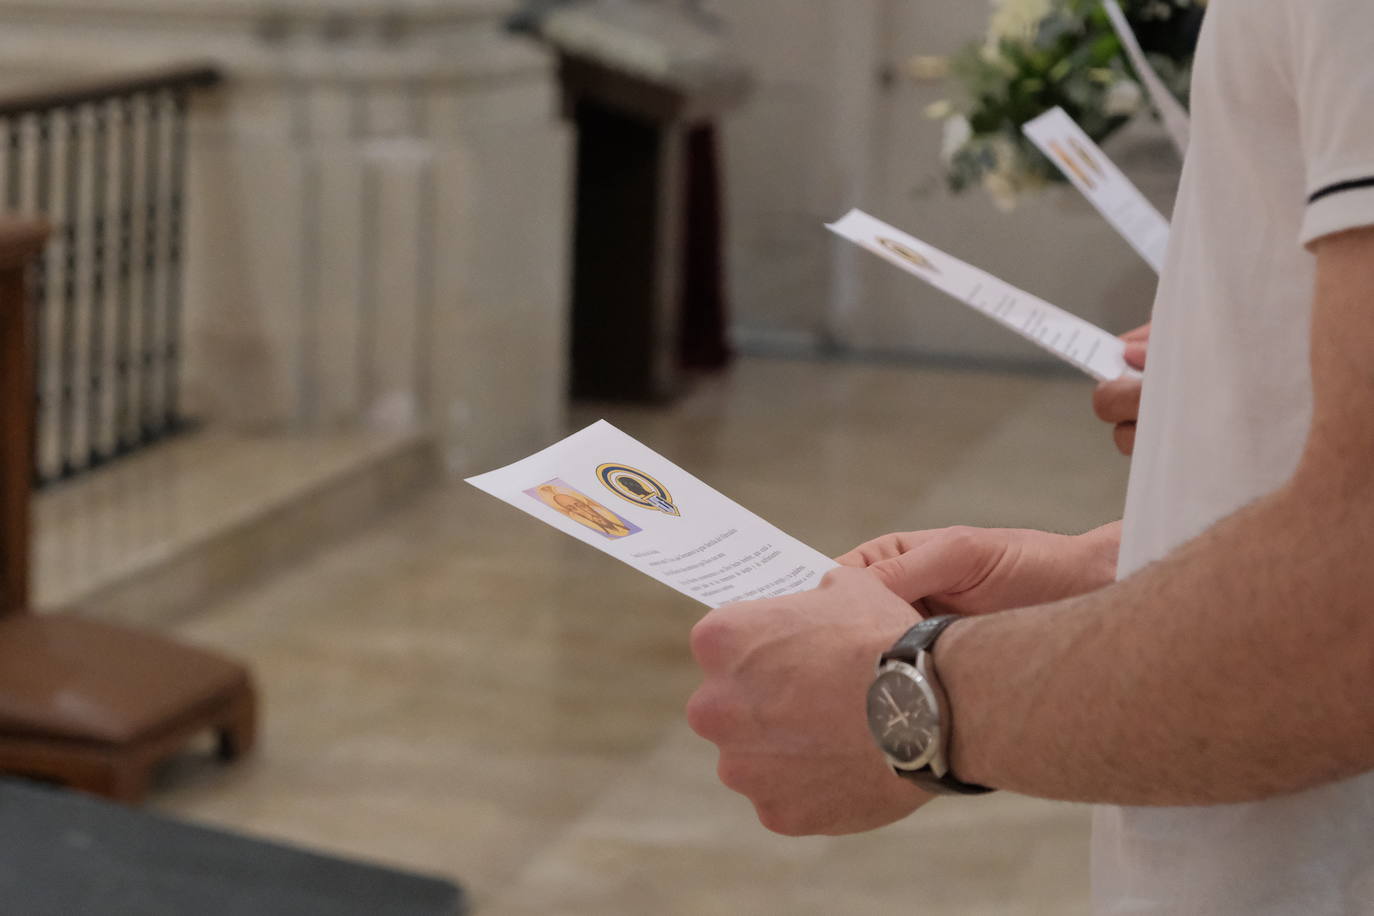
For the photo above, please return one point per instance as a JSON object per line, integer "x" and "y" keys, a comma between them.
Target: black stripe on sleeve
{"x": 1340, "y": 187}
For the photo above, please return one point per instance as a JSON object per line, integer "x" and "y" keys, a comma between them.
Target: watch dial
{"x": 901, "y": 717}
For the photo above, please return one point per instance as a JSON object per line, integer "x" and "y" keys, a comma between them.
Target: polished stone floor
{"x": 459, "y": 690}
{"x": 180, "y": 499}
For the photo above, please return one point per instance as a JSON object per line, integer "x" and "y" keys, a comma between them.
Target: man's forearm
{"x": 1240, "y": 667}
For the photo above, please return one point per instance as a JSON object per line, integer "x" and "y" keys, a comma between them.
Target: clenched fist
{"x": 784, "y": 696}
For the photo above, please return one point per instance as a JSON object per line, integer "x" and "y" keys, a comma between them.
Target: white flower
{"x": 938, "y": 111}
{"x": 1010, "y": 180}
{"x": 958, "y": 132}
{"x": 927, "y": 67}
{"x": 1156, "y": 9}
{"x": 1017, "y": 20}
{"x": 1123, "y": 99}
{"x": 1002, "y": 190}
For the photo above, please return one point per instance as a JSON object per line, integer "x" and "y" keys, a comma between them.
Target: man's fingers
{"x": 956, "y": 562}
{"x": 1118, "y": 401}
{"x": 1137, "y": 344}
{"x": 713, "y": 641}
{"x": 1136, "y": 352}
{"x": 714, "y": 717}
{"x": 1140, "y": 333}
{"x": 1124, "y": 435}
{"x": 856, "y": 558}
{"x": 886, "y": 548}
{"x": 871, "y": 552}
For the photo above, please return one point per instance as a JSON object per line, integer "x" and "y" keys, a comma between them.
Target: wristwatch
{"x": 909, "y": 714}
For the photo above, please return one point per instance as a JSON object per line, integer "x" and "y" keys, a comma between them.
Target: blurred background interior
{"x": 308, "y": 262}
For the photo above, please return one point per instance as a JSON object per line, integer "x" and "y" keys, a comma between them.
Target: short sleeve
{"x": 1333, "y": 59}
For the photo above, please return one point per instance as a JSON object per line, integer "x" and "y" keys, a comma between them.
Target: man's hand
{"x": 1118, "y": 402}
{"x": 784, "y": 699}
{"x": 1145, "y": 692}
{"x": 983, "y": 570}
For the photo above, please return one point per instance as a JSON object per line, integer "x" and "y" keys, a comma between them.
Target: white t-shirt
{"x": 1282, "y": 154}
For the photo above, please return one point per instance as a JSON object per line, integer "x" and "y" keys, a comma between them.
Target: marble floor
{"x": 461, "y": 691}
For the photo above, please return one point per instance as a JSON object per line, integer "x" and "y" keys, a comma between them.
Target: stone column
{"x": 378, "y": 211}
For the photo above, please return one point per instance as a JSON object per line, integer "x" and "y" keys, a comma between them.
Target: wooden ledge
{"x": 101, "y": 87}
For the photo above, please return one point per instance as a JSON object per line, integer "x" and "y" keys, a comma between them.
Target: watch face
{"x": 903, "y": 717}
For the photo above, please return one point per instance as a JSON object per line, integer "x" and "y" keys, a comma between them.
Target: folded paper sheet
{"x": 1079, "y": 343}
{"x": 1108, "y": 189}
{"x": 1171, "y": 110}
{"x": 610, "y": 491}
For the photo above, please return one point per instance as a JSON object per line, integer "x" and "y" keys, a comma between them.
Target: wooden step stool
{"x": 96, "y": 707}
{"x": 84, "y": 704}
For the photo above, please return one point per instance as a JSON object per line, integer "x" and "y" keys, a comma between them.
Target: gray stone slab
{"x": 62, "y": 854}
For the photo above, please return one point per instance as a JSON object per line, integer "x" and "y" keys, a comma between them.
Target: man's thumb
{"x": 937, "y": 569}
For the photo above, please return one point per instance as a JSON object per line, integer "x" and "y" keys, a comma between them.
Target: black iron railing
{"x": 104, "y": 162}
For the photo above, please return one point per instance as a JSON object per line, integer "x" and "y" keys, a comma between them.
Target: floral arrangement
{"x": 1043, "y": 53}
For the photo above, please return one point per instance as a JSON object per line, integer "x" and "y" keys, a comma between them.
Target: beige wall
{"x": 791, "y": 162}
{"x": 317, "y": 130}
{"x": 825, "y": 132}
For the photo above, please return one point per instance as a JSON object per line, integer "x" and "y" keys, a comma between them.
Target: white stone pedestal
{"x": 378, "y": 211}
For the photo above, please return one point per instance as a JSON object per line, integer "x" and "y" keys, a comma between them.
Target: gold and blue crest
{"x": 635, "y": 486}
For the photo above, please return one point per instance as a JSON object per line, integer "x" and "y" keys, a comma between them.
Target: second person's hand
{"x": 1118, "y": 402}
{"x": 984, "y": 570}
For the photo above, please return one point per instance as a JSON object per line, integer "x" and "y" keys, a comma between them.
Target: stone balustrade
{"x": 378, "y": 208}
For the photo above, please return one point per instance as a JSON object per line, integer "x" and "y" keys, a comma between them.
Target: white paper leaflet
{"x": 1108, "y": 189}
{"x": 1078, "y": 342}
{"x": 606, "y": 489}
{"x": 1171, "y": 110}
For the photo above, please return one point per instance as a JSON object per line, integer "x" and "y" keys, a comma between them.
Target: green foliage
{"x": 1070, "y": 57}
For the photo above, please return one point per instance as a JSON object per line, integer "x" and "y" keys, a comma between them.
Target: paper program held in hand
{"x": 1079, "y": 343}
{"x": 1171, "y": 111}
{"x": 612, "y": 492}
{"x": 1107, "y": 188}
